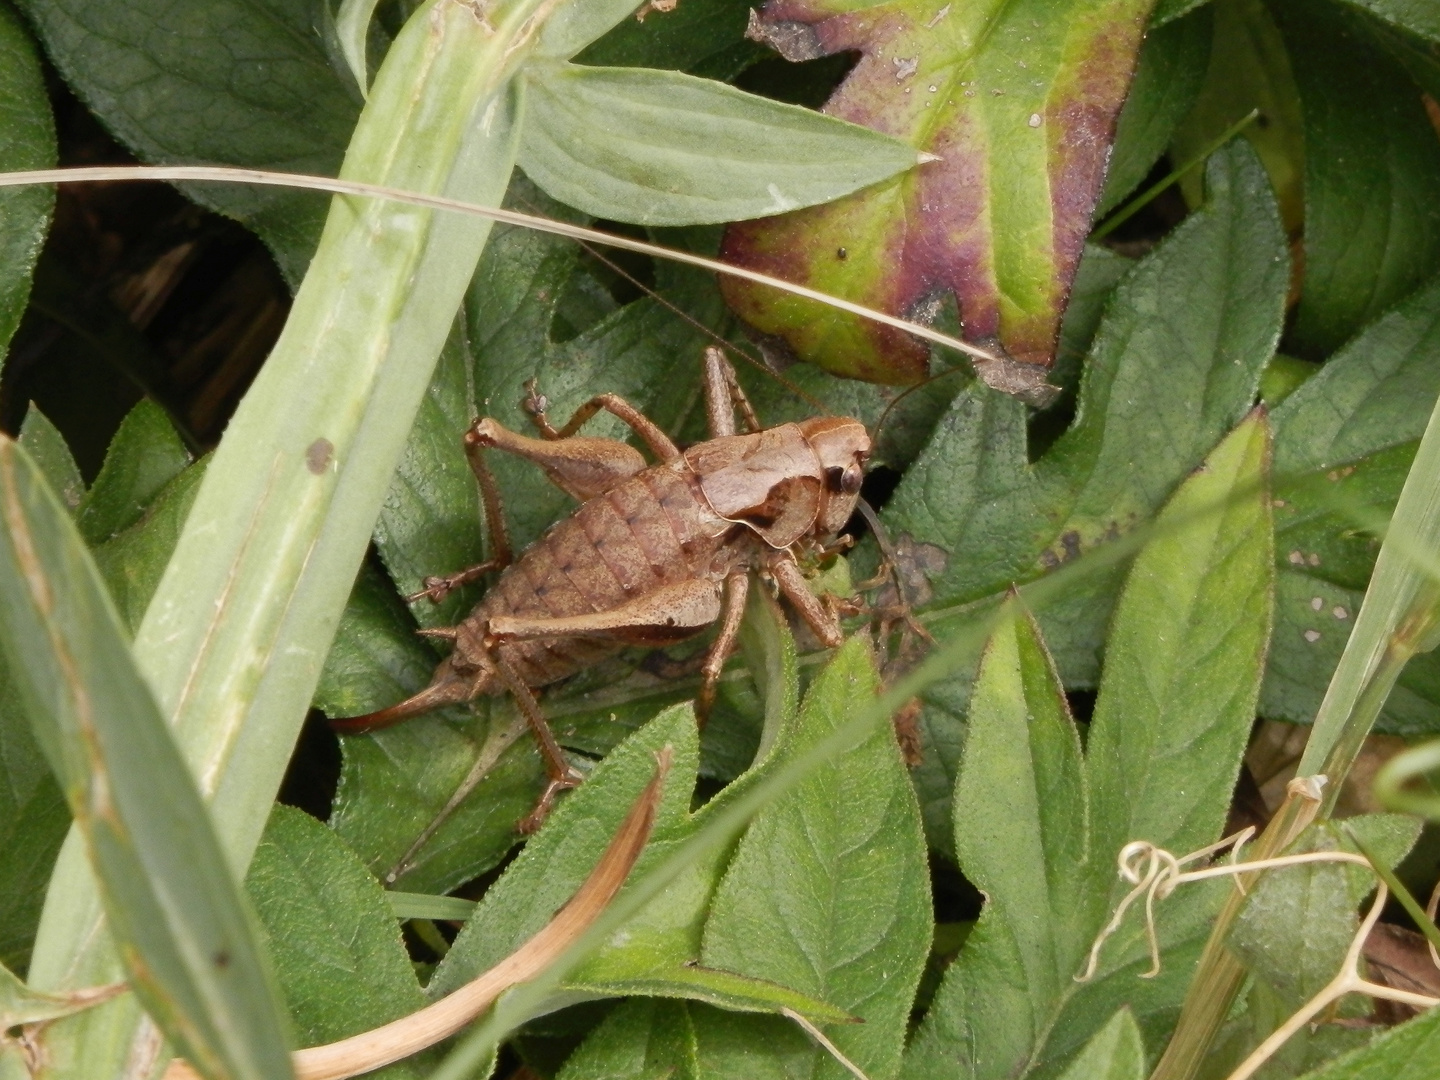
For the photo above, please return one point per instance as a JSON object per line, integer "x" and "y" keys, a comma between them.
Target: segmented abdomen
{"x": 650, "y": 530}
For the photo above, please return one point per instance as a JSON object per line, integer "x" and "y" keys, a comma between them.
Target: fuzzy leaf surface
{"x": 238, "y": 82}
{"x": 1160, "y": 764}
{"x": 338, "y": 955}
{"x": 27, "y": 141}
{"x": 1175, "y": 364}
{"x": 1020, "y": 103}
{"x": 145, "y": 455}
{"x": 828, "y": 890}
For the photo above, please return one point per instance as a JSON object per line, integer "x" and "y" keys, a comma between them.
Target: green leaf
{"x": 27, "y": 141}
{"x": 1406, "y": 1052}
{"x": 654, "y": 1039}
{"x": 1184, "y": 660}
{"x": 1368, "y": 145}
{"x": 33, "y": 822}
{"x": 1249, "y": 69}
{"x": 352, "y": 28}
{"x": 338, "y": 954}
{"x": 557, "y": 859}
{"x": 722, "y": 989}
{"x": 429, "y": 804}
{"x": 145, "y": 455}
{"x": 21, "y": 1005}
{"x": 1183, "y": 667}
{"x": 1114, "y": 1053}
{"x": 704, "y": 39}
{"x": 1021, "y": 833}
{"x": 234, "y": 639}
{"x": 405, "y": 905}
{"x": 1168, "y": 77}
{"x": 665, "y": 148}
{"x": 1416, "y": 16}
{"x": 171, "y": 902}
{"x": 43, "y": 442}
{"x": 828, "y": 890}
{"x": 1018, "y": 103}
{"x": 1344, "y": 442}
{"x": 239, "y": 82}
{"x": 1157, "y": 394}
{"x": 133, "y": 560}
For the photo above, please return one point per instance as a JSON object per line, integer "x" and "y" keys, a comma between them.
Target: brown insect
{"x": 652, "y": 556}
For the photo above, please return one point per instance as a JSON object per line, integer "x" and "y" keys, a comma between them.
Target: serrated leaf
{"x": 144, "y": 456}
{"x": 1021, "y": 821}
{"x": 27, "y": 141}
{"x": 1368, "y": 144}
{"x": 338, "y": 955}
{"x": 828, "y": 890}
{"x": 1157, "y": 394}
{"x": 172, "y": 904}
{"x": 1183, "y": 669}
{"x": 1019, "y": 103}
{"x": 1168, "y": 76}
{"x": 722, "y": 989}
{"x": 665, "y": 148}
{"x": 243, "y": 82}
{"x": 43, "y": 442}
{"x": 687, "y": 1041}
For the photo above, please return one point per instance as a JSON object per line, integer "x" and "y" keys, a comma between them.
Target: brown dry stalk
{"x": 399, "y": 1039}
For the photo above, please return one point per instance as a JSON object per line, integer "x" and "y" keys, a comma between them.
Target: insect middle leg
{"x": 649, "y": 432}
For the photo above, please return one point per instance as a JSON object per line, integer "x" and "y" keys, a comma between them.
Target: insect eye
{"x": 851, "y": 479}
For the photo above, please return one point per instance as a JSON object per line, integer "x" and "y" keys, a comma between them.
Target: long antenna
{"x": 266, "y": 178}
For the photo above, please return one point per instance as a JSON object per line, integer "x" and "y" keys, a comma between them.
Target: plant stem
{"x": 1219, "y": 976}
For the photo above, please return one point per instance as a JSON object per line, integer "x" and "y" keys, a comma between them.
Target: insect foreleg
{"x": 649, "y": 432}
{"x": 821, "y": 619}
{"x": 737, "y": 585}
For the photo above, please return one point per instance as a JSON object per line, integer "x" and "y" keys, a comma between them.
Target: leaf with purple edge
{"x": 1019, "y": 103}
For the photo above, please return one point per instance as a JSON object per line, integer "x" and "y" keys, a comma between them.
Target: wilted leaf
{"x": 1019, "y": 102}
{"x": 27, "y": 141}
